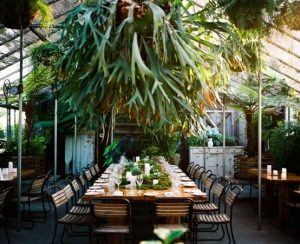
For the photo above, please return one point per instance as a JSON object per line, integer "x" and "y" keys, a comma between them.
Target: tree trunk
{"x": 250, "y": 135}
{"x": 183, "y": 152}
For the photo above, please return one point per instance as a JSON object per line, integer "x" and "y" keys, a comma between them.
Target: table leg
{"x": 283, "y": 197}
{"x": 269, "y": 190}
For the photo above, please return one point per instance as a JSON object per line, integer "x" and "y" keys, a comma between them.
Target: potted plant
{"x": 290, "y": 15}
{"x": 246, "y": 14}
{"x": 17, "y": 14}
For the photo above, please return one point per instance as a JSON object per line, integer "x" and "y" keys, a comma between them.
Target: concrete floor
{"x": 245, "y": 229}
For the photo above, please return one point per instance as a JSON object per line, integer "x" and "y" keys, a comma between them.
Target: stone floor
{"x": 245, "y": 228}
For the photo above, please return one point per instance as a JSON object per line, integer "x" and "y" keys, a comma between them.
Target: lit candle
{"x": 137, "y": 158}
{"x": 269, "y": 169}
{"x": 147, "y": 169}
{"x": 155, "y": 182}
{"x": 128, "y": 175}
{"x": 275, "y": 172}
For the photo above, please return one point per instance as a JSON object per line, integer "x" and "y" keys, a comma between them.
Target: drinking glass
{"x": 139, "y": 181}
{"x": 118, "y": 180}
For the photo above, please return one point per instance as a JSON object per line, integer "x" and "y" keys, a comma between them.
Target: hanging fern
{"x": 156, "y": 61}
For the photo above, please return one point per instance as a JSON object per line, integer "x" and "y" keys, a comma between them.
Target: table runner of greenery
{"x": 156, "y": 172}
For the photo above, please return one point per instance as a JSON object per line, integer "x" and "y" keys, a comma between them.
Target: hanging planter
{"x": 17, "y": 14}
{"x": 290, "y": 15}
{"x": 245, "y": 14}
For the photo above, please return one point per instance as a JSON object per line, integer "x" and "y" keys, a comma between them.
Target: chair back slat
{"x": 107, "y": 208}
{"x": 88, "y": 175}
{"x": 59, "y": 198}
{"x": 68, "y": 191}
{"x": 75, "y": 185}
{"x": 3, "y": 196}
{"x": 170, "y": 207}
{"x": 219, "y": 190}
{"x": 97, "y": 169}
{"x": 37, "y": 184}
{"x": 189, "y": 167}
{"x": 230, "y": 198}
{"x": 93, "y": 171}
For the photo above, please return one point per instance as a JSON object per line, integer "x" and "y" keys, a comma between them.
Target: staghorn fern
{"x": 156, "y": 61}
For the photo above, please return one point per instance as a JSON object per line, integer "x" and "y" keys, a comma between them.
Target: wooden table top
{"x": 13, "y": 176}
{"x": 291, "y": 177}
{"x": 148, "y": 195}
{"x": 297, "y": 192}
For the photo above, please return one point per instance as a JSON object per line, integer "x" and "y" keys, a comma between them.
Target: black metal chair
{"x": 222, "y": 219}
{"x": 214, "y": 205}
{"x": 113, "y": 216}
{"x": 60, "y": 198}
{"x": 3, "y": 217}
{"x": 35, "y": 192}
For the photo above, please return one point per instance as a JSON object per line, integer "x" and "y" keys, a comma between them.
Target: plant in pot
{"x": 252, "y": 14}
{"x": 17, "y": 14}
{"x": 289, "y": 15}
{"x": 142, "y": 58}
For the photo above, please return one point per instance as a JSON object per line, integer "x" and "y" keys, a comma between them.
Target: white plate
{"x": 104, "y": 176}
{"x": 188, "y": 184}
{"x": 101, "y": 181}
{"x": 199, "y": 193}
{"x": 95, "y": 187}
{"x": 181, "y": 174}
{"x": 91, "y": 193}
{"x": 177, "y": 170}
{"x": 150, "y": 194}
{"x": 185, "y": 178}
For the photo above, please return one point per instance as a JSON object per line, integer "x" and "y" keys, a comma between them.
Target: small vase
{"x": 210, "y": 142}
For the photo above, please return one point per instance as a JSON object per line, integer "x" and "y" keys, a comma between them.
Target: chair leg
{"x": 30, "y": 214}
{"x": 5, "y": 230}
{"x": 62, "y": 234}
{"x": 44, "y": 209}
{"x": 229, "y": 239}
{"x": 54, "y": 233}
{"x": 231, "y": 231}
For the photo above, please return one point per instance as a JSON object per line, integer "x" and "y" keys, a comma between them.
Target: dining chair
{"x": 189, "y": 167}
{"x": 218, "y": 190}
{"x": 60, "y": 199}
{"x": 88, "y": 177}
{"x": 221, "y": 218}
{"x": 113, "y": 217}
{"x": 292, "y": 204}
{"x": 173, "y": 213}
{"x": 198, "y": 175}
{"x": 35, "y": 192}
{"x": 3, "y": 216}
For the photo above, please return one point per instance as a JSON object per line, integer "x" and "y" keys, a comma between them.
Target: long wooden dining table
{"x": 184, "y": 190}
{"x": 142, "y": 201}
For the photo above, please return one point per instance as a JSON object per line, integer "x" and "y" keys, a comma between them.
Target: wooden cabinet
{"x": 212, "y": 158}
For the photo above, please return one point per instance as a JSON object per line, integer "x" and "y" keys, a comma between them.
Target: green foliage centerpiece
{"x": 157, "y": 172}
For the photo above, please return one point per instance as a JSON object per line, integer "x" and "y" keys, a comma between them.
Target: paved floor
{"x": 245, "y": 228}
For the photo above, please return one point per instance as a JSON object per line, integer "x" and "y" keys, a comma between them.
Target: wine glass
{"x": 139, "y": 181}
{"x": 118, "y": 180}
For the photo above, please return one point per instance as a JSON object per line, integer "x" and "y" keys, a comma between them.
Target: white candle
{"x": 137, "y": 158}
{"x": 147, "y": 169}
{"x": 275, "y": 172}
{"x": 283, "y": 171}
{"x": 10, "y": 166}
{"x": 283, "y": 176}
{"x": 269, "y": 169}
{"x": 155, "y": 182}
{"x": 128, "y": 175}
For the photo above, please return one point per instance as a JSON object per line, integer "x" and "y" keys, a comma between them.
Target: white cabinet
{"x": 212, "y": 158}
